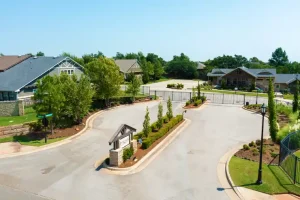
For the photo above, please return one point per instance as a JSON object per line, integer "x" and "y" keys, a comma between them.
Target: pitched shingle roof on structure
{"x": 27, "y": 71}
{"x": 7, "y": 62}
{"x": 126, "y": 64}
{"x": 285, "y": 78}
{"x": 200, "y": 65}
{"x": 253, "y": 72}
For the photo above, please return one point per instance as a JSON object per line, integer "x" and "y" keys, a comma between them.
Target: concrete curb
{"x": 141, "y": 164}
{"x": 88, "y": 125}
{"x": 234, "y": 187}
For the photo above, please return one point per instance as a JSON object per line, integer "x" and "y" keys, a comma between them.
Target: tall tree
{"x": 134, "y": 87}
{"x": 158, "y": 70}
{"x": 160, "y": 116}
{"x": 49, "y": 97}
{"x": 1, "y": 54}
{"x": 119, "y": 56}
{"x": 170, "y": 110}
{"x": 198, "y": 90}
{"x": 296, "y": 95}
{"x": 146, "y": 124}
{"x": 272, "y": 111}
{"x": 105, "y": 76}
{"x": 182, "y": 67}
{"x": 279, "y": 58}
{"x": 40, "y": 53}
{"x": 241, "y": 60}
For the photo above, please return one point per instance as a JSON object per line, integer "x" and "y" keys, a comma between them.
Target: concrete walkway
{"x": 14, "y": 147}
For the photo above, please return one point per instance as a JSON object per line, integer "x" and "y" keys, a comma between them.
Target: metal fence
{"x": 288, "y": 159}
{"x": 143, "y": 89}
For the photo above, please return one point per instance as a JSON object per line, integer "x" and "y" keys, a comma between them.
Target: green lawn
{"x": 275, "y": 181}
{"x": 25, "y": 140}
{"x": 288, "y": 96}
{"x": 30, "y": 115}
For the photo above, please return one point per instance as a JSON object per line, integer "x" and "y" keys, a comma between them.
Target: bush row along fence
{"x": 288, "y": 161}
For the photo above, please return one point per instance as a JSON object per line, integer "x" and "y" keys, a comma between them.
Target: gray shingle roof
{"x": 25, "y": 72}
{"x": 125, "y": 64}
{"x": 254, "y": 72}
{"x": 285, "y": 78}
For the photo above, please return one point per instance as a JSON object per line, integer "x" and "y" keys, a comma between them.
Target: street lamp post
{"x": 263, "y": 112}
{"x": 256, "y": 95}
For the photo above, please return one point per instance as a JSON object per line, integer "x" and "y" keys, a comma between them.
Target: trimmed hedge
{"x": 161, "y": 132}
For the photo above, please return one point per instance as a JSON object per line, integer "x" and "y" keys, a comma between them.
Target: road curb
{"x": 143, "y": 163}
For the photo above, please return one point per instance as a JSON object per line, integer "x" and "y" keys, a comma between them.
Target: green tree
{"x": 146, "y": 124}
{"x": 198, "y": 90}
{"x": 193, "y": 93}
{"x": 279, "y": 58}
{"x": 79, "y": 94}
{"x": 182, "y": 67}
{"x": 1, "y": 54}
{"x": 241, "y": 60}
{"x": 158, "y": 70}
{"x": 296, "y": 100}
{"x": 105, "y": 76}
{"x": 160, "y": 115}
{"x": 49, "y": 97}
{"x": 170, "y": 111}
{"x": 147, "y": 68}
{"x": 119, "y": 56}
{"x": 40, "y": 53}
{"x": 272, "y": 111}
{"x": 134, "y": 87}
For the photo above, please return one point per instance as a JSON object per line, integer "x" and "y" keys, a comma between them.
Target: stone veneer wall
{"x": 13, "y": 130}
{"x": 11, "y": 108}
{"x": 116, "y": 156}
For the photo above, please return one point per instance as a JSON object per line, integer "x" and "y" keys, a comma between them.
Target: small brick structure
{"x": 122, "y": 139}
{"x": 14, "y": 130}
{"x": 11, "y": 108}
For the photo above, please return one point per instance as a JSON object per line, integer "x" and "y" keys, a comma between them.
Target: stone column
{"x": 133, "y": 144}
{"x": 21, "y": 107}
{"x": 115, "y": 157}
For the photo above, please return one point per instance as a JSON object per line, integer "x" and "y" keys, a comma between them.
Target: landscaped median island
{"x": 129, "y": 149}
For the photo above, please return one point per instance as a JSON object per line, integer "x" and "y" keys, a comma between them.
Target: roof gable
{"x": 125, "y": 64}
{"x": 123, "y": 131}
{"x": 27, "y": 71}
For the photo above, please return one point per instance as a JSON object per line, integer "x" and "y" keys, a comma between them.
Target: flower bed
{"x": 251, "y": 151}
{"x": 195, "y": 103}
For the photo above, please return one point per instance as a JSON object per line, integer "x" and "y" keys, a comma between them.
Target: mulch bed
{"x": 140, "y": 153}
{"x": 281, "y": 119}
{"x": 193, "y": 106}
{"x": 269, "y": 148}
{"x": 62, "y": 132}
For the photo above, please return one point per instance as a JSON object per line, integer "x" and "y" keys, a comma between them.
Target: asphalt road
{"x": 186, "y": 169}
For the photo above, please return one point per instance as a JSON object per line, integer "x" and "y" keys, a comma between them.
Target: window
{"x": 67, "y": 71}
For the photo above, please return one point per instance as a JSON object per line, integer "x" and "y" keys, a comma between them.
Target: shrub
{"x": 198, "y": 102}
{"x": 154, "y": 127}
{"x": 179, "y": 86}
{"x": 246, "y": 147}
{"x": 161, "y": 132}
{"x": 203, "y": 98}
{"x": 187, "y": 103}
{"x": 127, "y": 153}
{"x": 166, "y": 119}
{"x": 251, "y": 144}
{"x": 36, "y": 126}
{"x": 257, "y": 142}
{"x": 255, "y": 152}
{"x": 171, "y": 85}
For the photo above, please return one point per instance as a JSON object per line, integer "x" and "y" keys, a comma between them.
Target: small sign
{"x": 124, "y": 141}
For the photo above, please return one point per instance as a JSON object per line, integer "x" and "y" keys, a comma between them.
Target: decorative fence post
{"x": 155, "y": 94}
{"x": 172, "y": 95}
{"x": 223, "y": 99}
{"x": 190, "y": 96}
{"x": 295, "y": 169}
{"x": 244, "y": 99}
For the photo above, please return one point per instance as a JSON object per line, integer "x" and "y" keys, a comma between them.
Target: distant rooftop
{"x": 7, "y": 62}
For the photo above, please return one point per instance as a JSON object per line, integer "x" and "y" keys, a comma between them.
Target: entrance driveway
{"x": 188, "y": 84}
{"x": 186, "y": 169}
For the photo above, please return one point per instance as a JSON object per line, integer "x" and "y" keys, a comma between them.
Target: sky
{"x": 200, "y": 29}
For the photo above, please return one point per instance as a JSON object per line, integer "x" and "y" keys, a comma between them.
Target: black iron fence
{"x": 288, "y": 156}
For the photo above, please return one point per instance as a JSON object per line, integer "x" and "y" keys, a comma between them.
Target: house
{"x": 201, "y": 70}
{"x": 129, "y": 66}
{"x": 243, "y": 77}
{"x": 19, "y": 75}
